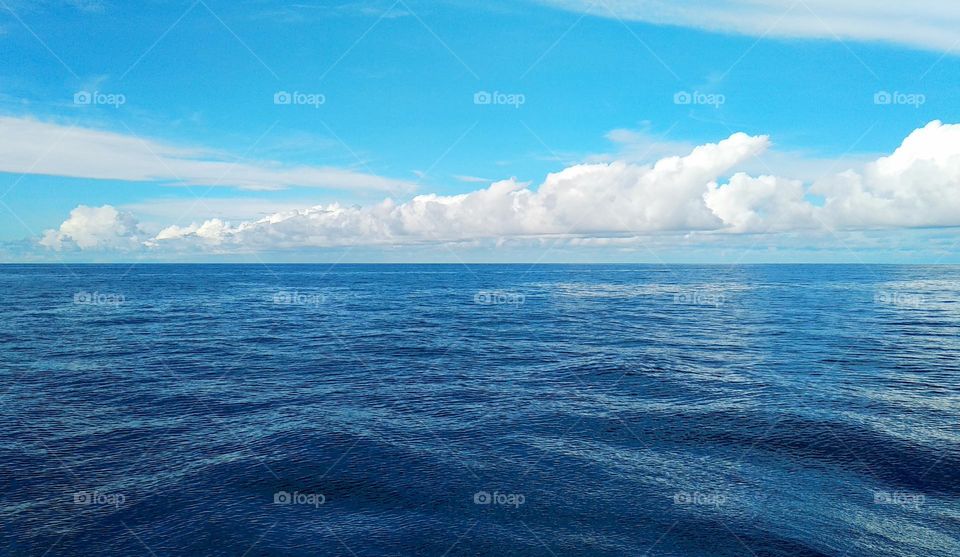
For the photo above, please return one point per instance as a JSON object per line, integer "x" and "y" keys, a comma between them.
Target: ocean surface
{"x": 454, "y": 410}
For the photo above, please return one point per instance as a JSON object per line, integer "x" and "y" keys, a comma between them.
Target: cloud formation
{"x": 28, "y": 146}
{"x": 916, "y": 186}
{"x": 924, "y": 24}
{"x": 93, "y": 228}
{"x": 702, "y": 192}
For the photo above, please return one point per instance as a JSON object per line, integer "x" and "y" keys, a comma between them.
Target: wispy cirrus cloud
{"x": 29, "y": 146}
{"x": 924, "y": 24}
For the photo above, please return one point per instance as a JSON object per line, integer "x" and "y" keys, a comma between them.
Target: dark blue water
{"x": 483, "y": 410}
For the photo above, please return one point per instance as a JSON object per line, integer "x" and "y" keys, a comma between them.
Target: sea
{"x": 480, "y": 410}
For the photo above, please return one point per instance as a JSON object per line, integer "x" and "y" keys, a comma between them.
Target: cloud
{"x": 95, "y": 228}
{"x": 228, "y": 208}
{"x": 583, "y": 199}
{"x": 764, "y": 204}
{"x": 472, "y": 179}
{"x": 28, "y": 146}
{"x": 916, "y": 186}
{"x": 644, "y": 146}
{"x": 701, "y": 193}
{"x": 924, "y": 24}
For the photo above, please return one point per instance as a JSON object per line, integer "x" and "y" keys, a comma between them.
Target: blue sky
{"x": 192, "y": 86}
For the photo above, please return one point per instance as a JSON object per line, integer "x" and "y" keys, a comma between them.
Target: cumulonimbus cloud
{"x": 29, "y": 146}
{"x": 703, "y": 191}
{"x": 924, "y": 24}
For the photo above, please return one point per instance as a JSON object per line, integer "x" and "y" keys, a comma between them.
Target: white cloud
{"x": 918, "y": 185}
{"x": 703, "y": 191}
{"x": 926, "y": 24}
{"x": 764, "y": 204}
{"x": 583, "y": 199}
{"x": 472, "y": 179}
{"x": 28, "y": 146}
{"x": 94, "y": 228}
{"x": 167, "y": 210}
{"x": 643, "y": 146}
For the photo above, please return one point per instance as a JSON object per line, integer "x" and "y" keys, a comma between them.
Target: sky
{"x": 730, "y": 131}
